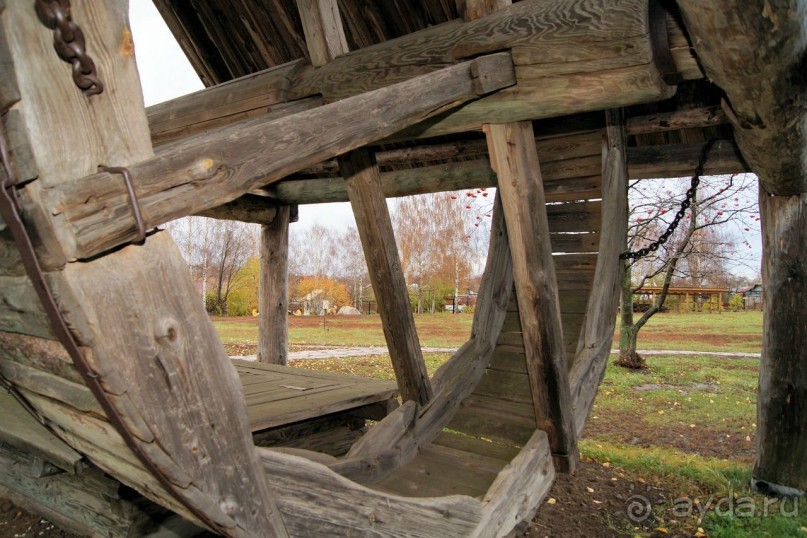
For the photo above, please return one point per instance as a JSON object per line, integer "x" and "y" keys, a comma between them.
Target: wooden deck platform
{"x": 280, "y": 395}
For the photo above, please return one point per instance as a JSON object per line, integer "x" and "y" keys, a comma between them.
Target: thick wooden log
{"x": 273, "y": 294}
{"x": 594, "y": 345}
{"x": 153, "y": 360}
{"x": 208, "y": 170}
{"x": 386, "y": 275}
{"x": 755, "y": 52}
{"x": 515, "y": 160}
{"x": 248, "y": 208}
{"x": 680, "y": 160}
{"x": 605, "y": 52}
{"x": 680, "y": 119}
{"x": 9, "y": 92}
{"x": 782, "y": 396}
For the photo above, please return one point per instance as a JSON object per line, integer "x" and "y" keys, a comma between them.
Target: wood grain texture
{"x": 596, "y": 336}
{"x": 273, "y": 293}
{"x": 515, "y": 160}
{"x": 134, "y": 325}
{"x": 324, "y": 37}
{"x": 754, "y": 51}
{"x": 680, "y": 160}
{"x": 9, "y": 92}
{"x": 679, "y": 119}
{"x": 248, "y": 208}
{"x": 316, "y": 501}
{"x": 209, "y": 170}
{"x": 20, "y": 311}
{"x": 781, "y": 439}
{"x": 384, "y": 264}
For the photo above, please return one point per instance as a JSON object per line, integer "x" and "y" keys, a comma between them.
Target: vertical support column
{"x": 325, "y": 40}
{"x": 273, "y": 290}
{"x": 782, "y": 395}
{"x": 363, "y": 180}
{"x": 514, "y": 158}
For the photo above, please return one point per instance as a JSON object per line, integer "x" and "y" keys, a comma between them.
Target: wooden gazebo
{"x": 124, "y": 399}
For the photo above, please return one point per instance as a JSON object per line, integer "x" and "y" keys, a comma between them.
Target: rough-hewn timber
{"x": 273, "y": 290}
{"x": 93, "y": 213}
{"x": 381, "y": 252}
{"x": 782, "y": 396}
{"x": 515, "y": 160}
{"x": 754, "y": 51}
{"x": 594, "y": 347}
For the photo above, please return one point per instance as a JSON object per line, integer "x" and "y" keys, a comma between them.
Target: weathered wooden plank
{"x": 755, "y": 52}
{"x": 594, "y": 347}
{"x": 574, "y": 242}
{"x": 9, "y": 92}
{"x": 781, "y": 435}
{"x": 381, "y": 252}
{"x": 317, "y": 501}
{"x": 208, "y": 170}
{"x": 19, "y": 146}
{"x": 42, "y": 354}
{"x": 500, "y": 427}
{"x": 73, "y": 394}
{"x": 680, "y": 160}
{"x": 273, "y": 290}
{"x": 574, "y": 217}
{"x": 679, "y": 119}
{"x": 476, "y": 445}
{"x": 19, "y": 429}
{"x": 515, "y": 160}
{"x": 527, "y": 478}
{"x": 88, "y": 504}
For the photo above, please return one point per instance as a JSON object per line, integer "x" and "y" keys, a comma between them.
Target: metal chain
{"x": 685, "y": 204}
{"x": 69, "y": 43}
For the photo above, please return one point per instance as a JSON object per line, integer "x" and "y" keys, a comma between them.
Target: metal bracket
{"x": 127, "y": 180}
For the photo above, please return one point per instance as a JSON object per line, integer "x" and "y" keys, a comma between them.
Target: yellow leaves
{"x": 662, "y": 530}
{"x": 590, "y": 490}
{"x": 700, "y": 533}
{"x": 551, "y": 500}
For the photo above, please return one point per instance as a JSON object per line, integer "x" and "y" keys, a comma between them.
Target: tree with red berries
{"x": 710, "y": 236}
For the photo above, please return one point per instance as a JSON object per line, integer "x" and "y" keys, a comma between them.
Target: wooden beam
{"x": 248, "y": 208}
{"x": 208, "y": 170}
{"x": 515, "y": 160}
{"x": 754, "y": 50}
{"x": 273, "y": 294}
{"x": 679, "y": 119}
{"x": 386, "y": 275}
{"x": 594, "y": 346}
{"x": 605, "y": 52}
{"x": 680, "y": 160}
{"x": 324, "y": 36}
{"x": 152, "y": 358}
{"x": 782, "y": 406}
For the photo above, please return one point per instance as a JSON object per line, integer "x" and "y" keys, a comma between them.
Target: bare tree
{"x": 697, "y": 252}
{"x": 233, "y": 243}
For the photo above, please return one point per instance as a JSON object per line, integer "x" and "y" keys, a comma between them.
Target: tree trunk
{"x": 628, "y": 332}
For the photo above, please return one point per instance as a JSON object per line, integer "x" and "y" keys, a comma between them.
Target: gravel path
{"x": 342, "y": 352}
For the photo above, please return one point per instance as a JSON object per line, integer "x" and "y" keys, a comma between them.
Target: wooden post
{"x": 152, "y": 358}
{"x": 381, "y": 251}
{"x": 325, "y": 39}
{"x": 594, "y": 346}
{"x": 515, "y": 160}
{"x": 782, "y": 396}
{"x": 273, "y": 290}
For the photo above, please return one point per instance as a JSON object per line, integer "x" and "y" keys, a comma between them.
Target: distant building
{"x": 752, "y": 297}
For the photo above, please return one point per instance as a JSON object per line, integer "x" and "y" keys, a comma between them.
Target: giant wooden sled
{"x": 145, "y": 393}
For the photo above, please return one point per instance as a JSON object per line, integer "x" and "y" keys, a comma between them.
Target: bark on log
{"x": 754, "y": 50}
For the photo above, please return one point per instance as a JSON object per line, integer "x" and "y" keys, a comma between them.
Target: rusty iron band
{"x": 138, "y": 215}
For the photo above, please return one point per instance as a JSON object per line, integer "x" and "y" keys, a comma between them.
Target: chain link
{"x": 69, "y": 43}
{"x": 685, "y": 204}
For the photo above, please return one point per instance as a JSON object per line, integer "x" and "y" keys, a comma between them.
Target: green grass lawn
{"x": 687, "y": 422}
